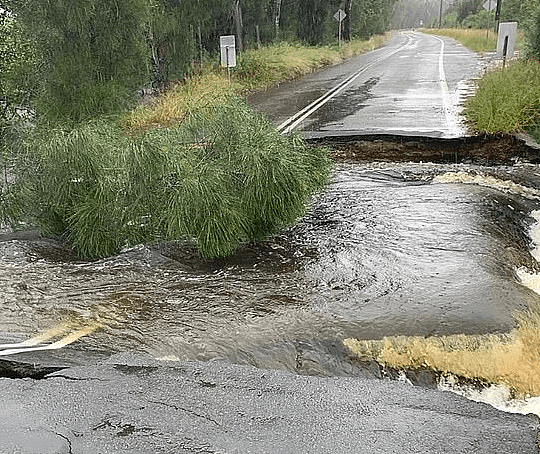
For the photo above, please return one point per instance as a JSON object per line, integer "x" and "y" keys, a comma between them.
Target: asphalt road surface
{"x": 134, "y": 404}
{"x": 412, "y": 86}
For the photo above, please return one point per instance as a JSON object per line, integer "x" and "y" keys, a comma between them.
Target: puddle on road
{"x": 392, "y": 248}
{"x": 336, "y": 109}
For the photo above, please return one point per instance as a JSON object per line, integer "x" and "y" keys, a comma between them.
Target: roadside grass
{"x": 259, "y": 69}
{"x": 200, "y": 91}
{"x": 256, "y": 70}
{"x": 507, "y": 100}
{"x": 475, "y": 39}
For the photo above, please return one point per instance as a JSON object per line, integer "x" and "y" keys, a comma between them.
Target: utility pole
{"x": 498, "y": 15}
{"x": 440, "y": 15}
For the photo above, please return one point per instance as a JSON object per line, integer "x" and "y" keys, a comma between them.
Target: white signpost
{"x": 339, "y": 16}
{"x": 506, "y": 40}
{"x": 228, "y": 51}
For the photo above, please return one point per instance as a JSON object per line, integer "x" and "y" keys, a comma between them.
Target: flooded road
{"x": 387, "y": 249}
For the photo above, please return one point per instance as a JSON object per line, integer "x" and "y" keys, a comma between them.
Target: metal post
{"x": 498, "y": 15}
{"x": 488, "y": 16}
{"x": 200, "y": 43}
{"x": 505, "y": 50}
{"x": 227, "y": 59}
{"x": 440, "y": 15}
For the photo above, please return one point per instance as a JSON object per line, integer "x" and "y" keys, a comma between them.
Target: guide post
{"x": 506, "y": 40}
{"x": 228, "y": 52}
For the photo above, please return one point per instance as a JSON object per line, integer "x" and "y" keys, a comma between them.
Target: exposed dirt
{"x": 481, "y": 150}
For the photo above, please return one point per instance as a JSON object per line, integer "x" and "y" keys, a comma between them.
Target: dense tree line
{"x": 87, "y": 57}
{"x": 221, "y": 177}
{"x": 471, "y": 13}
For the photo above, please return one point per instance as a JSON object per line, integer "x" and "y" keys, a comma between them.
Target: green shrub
{"x": 507, "y": 99}
{"x": 223, "y": 177}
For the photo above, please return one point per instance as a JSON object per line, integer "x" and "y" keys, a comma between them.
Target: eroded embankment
{"x": 510, "y": 359}
{"x": 498, "y": 149}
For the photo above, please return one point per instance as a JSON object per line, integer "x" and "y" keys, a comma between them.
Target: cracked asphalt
{"x": 135, "y": 404}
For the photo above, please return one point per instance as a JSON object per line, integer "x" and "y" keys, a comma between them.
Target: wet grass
{"x": 477, "y": 40}
{"x": 507, "y": 100}
{"x": 201, "y": 91}
{"x": 259, "y": 69}
{"x": 256, "y": 70}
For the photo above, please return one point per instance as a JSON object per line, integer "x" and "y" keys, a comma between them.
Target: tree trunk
{"x": 277, "y": 17}
{"x": 239, "y": 26}
{"x": 347, "y": 26}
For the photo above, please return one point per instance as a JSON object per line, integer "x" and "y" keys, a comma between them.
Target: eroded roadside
{"x": 134, "y": 403}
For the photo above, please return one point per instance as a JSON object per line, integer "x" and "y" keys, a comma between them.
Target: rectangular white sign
{"x": 228, "y": 51}
{"x": 506, "y": 39}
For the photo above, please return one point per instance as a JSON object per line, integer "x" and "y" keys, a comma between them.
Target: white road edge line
{"x": 66, "y": 340}
{"x": 447, "y": 104}
{"x": 293, "y": 121}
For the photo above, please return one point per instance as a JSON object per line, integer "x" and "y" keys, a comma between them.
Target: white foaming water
{"x": 498, "y": 396}
{"x": 528, "y": 279}
{"x": 487, "y": 181}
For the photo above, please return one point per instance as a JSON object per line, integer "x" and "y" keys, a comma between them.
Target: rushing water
{"x": 387, "y": 249}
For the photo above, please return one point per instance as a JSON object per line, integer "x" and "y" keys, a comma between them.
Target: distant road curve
{"x": 412, "y": 86}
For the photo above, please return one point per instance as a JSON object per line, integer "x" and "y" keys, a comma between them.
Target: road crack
{"x": 187, "y": 410}
{"x": 70, "y": 451}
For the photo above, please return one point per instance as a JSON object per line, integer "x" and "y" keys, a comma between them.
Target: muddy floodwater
{"x": 388, "y": 248}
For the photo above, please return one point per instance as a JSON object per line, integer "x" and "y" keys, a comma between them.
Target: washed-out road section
{"x": 135, "y": 404}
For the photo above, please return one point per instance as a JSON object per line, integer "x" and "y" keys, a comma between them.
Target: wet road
{"x": 412, "y": 86}
{"x": 385, "y": 250}
{"x": 136, "y": 405}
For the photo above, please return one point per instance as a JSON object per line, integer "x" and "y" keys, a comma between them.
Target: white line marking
{"x": 293, "y": 121}
{"x": 447, "y": 104}
{"x": 32, "y": 347}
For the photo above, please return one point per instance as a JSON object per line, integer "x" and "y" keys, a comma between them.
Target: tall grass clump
{"x": 200, "y": 91}
{"x": 507, "y": 99}
{"x": 283, "y": 61}
{"x": 475, "y": 39}
{"x": 222, "y": 177}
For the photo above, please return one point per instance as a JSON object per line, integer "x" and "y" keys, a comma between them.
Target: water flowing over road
{"x": 385, "y": 250}
{"x": 388, "y": 248}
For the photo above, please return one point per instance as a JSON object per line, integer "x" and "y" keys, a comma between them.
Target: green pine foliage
{"x": 223, "y": 177}
{"x": 90, "y": 55}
